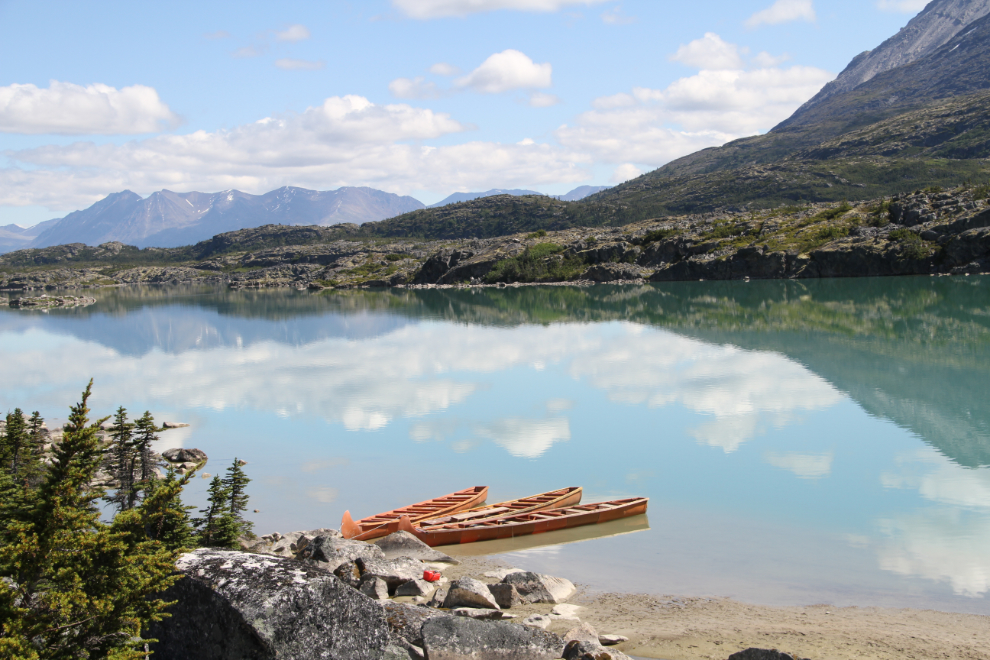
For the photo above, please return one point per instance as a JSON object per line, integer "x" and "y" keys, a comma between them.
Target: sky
{"x": 414, "y": 97}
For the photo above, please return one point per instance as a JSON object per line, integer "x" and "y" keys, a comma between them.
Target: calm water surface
{"x": 801, "y": 442}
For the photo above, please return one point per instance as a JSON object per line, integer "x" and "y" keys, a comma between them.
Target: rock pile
{"x": 48, "y": 302}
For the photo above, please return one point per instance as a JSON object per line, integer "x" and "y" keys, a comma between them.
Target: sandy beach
{"x": 680, "y": 628}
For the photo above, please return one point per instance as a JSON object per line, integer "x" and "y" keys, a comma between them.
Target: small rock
{"x": 505, "y": 595}
{"x": 459, "y": 638}
{"x": 468, "y": 592}
{"x": 349, "y": 574}
{"x": 583, "y": 633}
{"x": 538, "y": 588}
{"x": 502, "y": 572}
{"x": 439, "y": 596}
{"x": 566, "y": 611}
{"x": 374, "y": 588}
{"x": 611, "y": 640}
{"x": 205, "y": 475}
{"x": 537, "y": 621}
{"x": 477, "y": 613}
{"x": 761, "y": 654}
{"x": 183, "y": 455}
{"x": 415, "y": 587}
{"x": 404, "y": 544}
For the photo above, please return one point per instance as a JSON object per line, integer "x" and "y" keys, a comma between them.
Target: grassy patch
{"x": 981, "y": 192}
{"x": 540, "y": 233}
{"x": 832, "y": 214}
{"x": 912, "y": 246}
{"x": 657, "y": 235}
{"x": 396, "y": 257}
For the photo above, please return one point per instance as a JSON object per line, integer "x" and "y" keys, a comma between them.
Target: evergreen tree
{"x": 121, "y": 462}
{"x": 145, "y": 433}
{"x": 218, "y": 527}
{"x": 15, "y": 443}
{"x": 162, "y": 516}
{"x": 75, "y": 587}
{"x": 33, "y": 468}
{"x": 236, "y": 484}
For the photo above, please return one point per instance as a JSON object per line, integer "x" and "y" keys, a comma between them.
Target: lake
{"x": 800, "y": 442}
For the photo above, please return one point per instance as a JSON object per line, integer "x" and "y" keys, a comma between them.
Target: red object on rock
{"x": 431, "y": 576}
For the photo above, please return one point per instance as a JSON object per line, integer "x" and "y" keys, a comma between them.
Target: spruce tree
{"x": 121, "y": 462}
{"x": 162, "y": 516}
{"x": 218, "y": 527}
{"x": 15, "y": 444}
{"x": 75, "y": 587}
{"x": 145, "y": 433}
{"x": 236, "y": 484}
{"x": 33, "y": 468}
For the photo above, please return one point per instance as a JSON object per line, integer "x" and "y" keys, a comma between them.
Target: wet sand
{"x": 679, "y": 628}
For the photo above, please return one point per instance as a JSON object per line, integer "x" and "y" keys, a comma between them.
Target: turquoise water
{"x": 801, "y": 442}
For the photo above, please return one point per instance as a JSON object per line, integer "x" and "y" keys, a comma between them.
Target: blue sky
{"x": 416, "y": 97}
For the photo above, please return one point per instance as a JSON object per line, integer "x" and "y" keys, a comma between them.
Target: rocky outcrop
{"x": 331, "y": 551}
{"x": 235, "y": 605}
{"x": 404, "y": 544}
{"x": 538, "y": 588}
{"x": 460, "y": 638}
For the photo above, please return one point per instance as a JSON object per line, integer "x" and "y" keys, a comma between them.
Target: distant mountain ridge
{"x": 578, "y": 193}
{"x": 171, "y": 219}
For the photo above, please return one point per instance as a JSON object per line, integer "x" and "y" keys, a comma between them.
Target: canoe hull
{"x": 554, "y": 499}
{"x": 526, "y": 524}
{"x": 383, "y": 524}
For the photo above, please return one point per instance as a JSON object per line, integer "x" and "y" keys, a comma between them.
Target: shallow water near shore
{"x": 801, "y": 442}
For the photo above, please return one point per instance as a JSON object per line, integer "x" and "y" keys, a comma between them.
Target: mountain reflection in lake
{"x": 801, "y": 442}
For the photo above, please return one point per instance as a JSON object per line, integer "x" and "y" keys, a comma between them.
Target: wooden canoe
{"x": 534, "y": 522}
{"x": 553, "y": 499}
{"x": 384, "y": 524}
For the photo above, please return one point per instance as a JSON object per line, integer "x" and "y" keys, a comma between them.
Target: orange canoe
{"x": 553, "y": 499}
{"x": 534, "y": 522}
{"x": 384, "y": 524}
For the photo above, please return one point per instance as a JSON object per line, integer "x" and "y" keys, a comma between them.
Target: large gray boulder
{"x": 407, "y": 621}
{"x": 333, "y": 551}
{"x": 461, "y": 638}
{"x": 404, "y": 544}
{"x": 240, "y": 606}
{"x": 539, "y": 588}
{"x": 468, "y": 592}
{"x": 761, "y": 654}
{"x": 396, "y": 572}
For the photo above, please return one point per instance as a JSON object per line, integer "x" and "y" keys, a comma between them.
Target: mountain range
{"x": 171, "y": 219}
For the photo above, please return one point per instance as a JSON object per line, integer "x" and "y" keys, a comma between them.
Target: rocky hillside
{"x": 926, "y": 232}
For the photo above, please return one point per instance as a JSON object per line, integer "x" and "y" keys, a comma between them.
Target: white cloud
{"x": 414, "y": 88}
{"x": 69, "y": 109}
{"x": 625, "y": 172}
{"x": 615, "y": 16}
{"x": 423, "y": 9}
{"x": 506, "y": 71}
{"x": 765, "y": 60}
{"x": 653, "y": 126}
{"x": 783, "y": 11}
{"x": 709, "y": 52}
{"x": 250, "y": 51}
{"x": 293, "y": 33}
{"x": 543, "y": 100}
{"x": 527, "y": 438}
{"x": 345, "y": 141}
{"x": 805, "y": 466}
{"x": 444, "y": 69}
{"x": 906, "y": 6}
{"x": 289, "y": 64}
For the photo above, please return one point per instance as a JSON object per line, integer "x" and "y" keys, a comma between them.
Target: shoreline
{"x": 672, "y": 627}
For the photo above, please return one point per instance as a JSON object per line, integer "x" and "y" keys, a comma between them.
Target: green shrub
{"x": 831, "y": 233}
{"x": 591, "y": 240}
{"x": 933, "y": 190}
{"x": 535, "y": 265}
{"x": 723, "y": 231}
{"x": 539, "y": 233}
{"x": 912, "y": 246}
{"x": 396, "y": 257}
{"x": 657, "y": 235}
{"x": 981, "y": 192}
{"x": 832, "y": 214}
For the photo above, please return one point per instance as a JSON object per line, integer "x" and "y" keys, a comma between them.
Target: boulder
{"x": 395, "y": 573}
{"x": 578, "y": 650}
{"x": 566, "y": 611}
{"x": 610, "y": 640}
{"x": 468, "y": 592}
{"x": 288, "y": 545}
{"x": 439, "y": 596}
{"x": 404, "y": 544}
{"x": 538, "y": 588}
{"x": 761, "y": 654}
{"x": 461, "y": 638}
{"x": 374, "y": 588}
{"x": 478, "y": 613}
{"x": 236, "y": 605}
{"x": 183, "y": 455}
{"x": 407, "y": 621}
{"x": 335, "y": 550}
{"x": 415, "y": 587}
{"x": 505, "y": 595}
{"x": 582, "y": 633}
